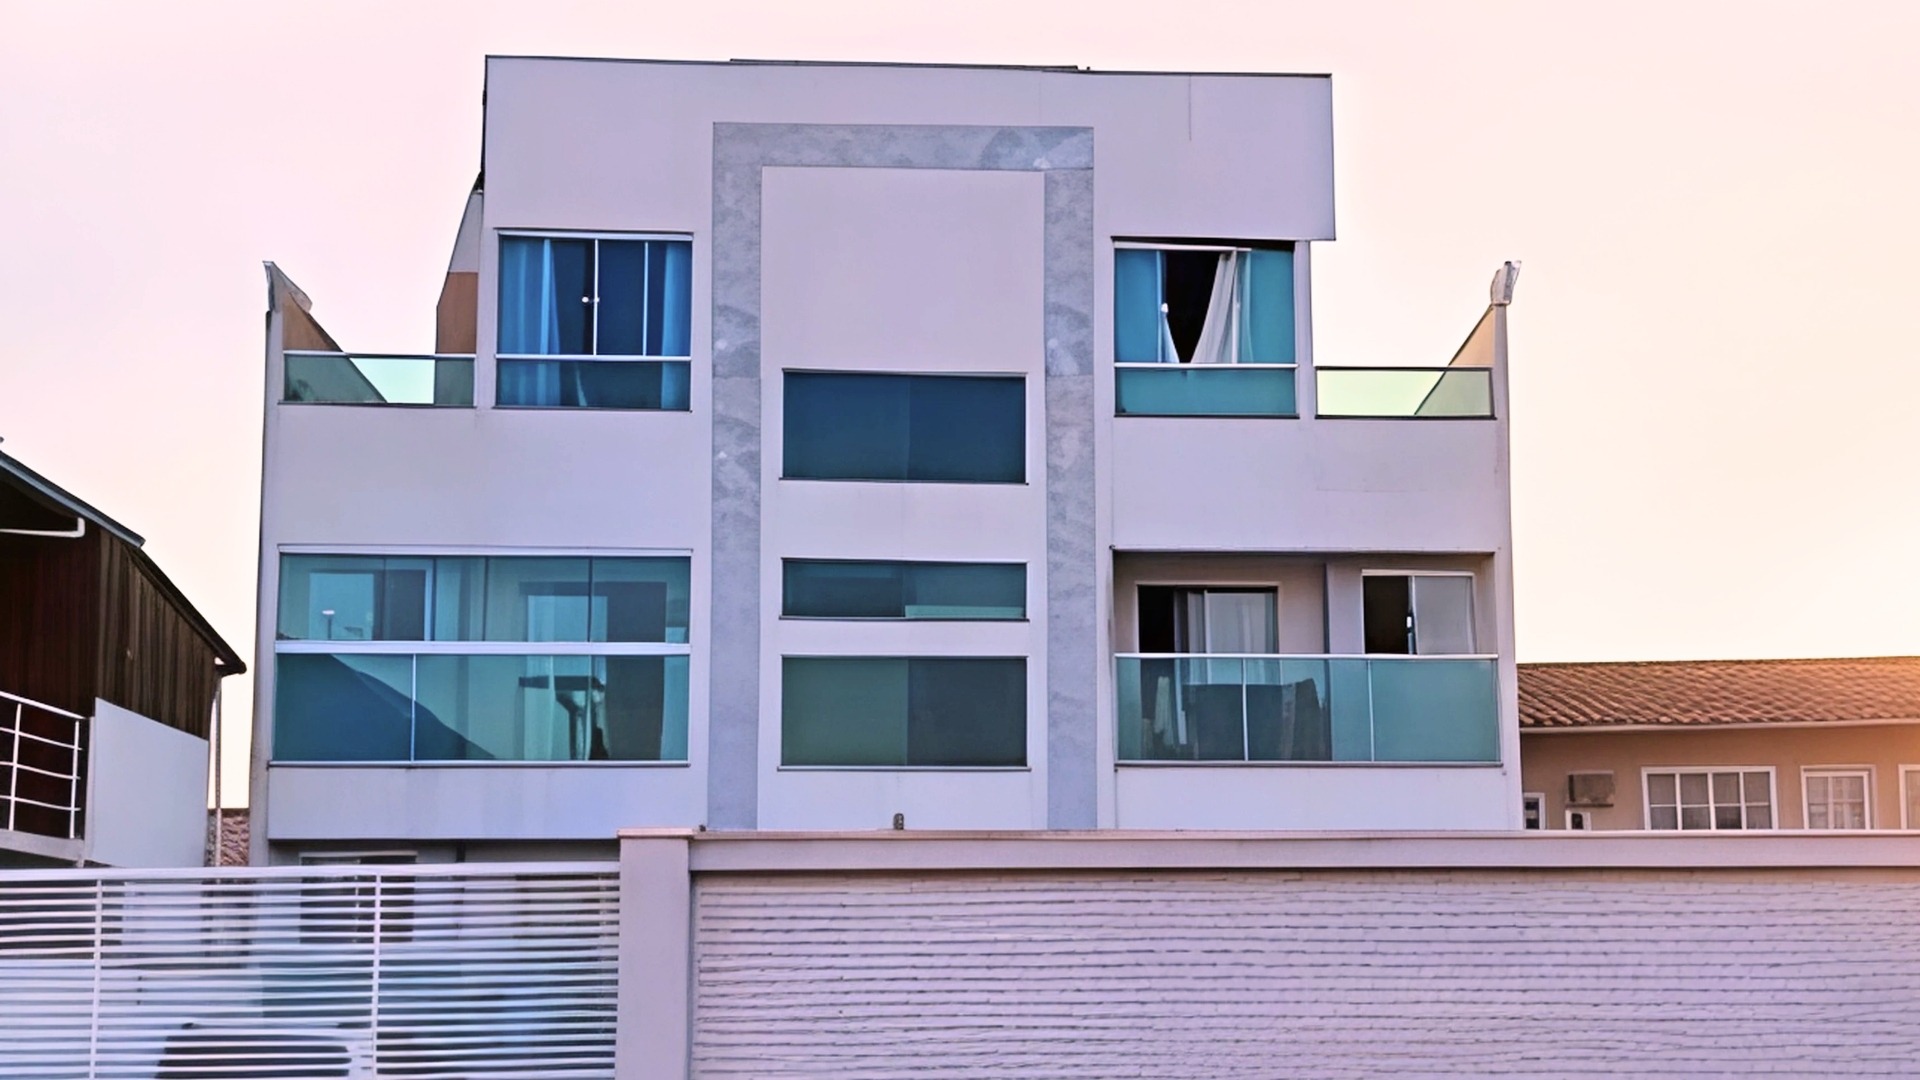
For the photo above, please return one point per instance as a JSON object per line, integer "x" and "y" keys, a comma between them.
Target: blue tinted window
{"x": 609, "y": 298}
{"x": 903, "y": 711}
{"x": 904, "y": 590}
{"x": 594, "y": 384}
{"x": 930, "y": 428}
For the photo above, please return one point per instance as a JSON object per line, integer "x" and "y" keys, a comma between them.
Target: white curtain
{"x": 1218, "y": 342}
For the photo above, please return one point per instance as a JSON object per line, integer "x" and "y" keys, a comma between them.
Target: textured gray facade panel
{"x": 1322, "y": 974}
{"x": 740, "y": 152}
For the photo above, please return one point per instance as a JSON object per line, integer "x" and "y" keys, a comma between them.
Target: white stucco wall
{"x": 147, "y": 792}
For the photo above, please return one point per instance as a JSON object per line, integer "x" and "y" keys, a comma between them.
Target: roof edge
{"x": 1052, "y": 69}
{"x": 67, "y": 500}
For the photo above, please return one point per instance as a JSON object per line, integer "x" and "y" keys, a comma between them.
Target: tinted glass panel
{"x": 1387, "y": 603}
{"x": 903, "y": 711}
{"x": 546, "y": 294}
{"x": 594, "y": 384}
{"x": 644, "y": 297}
{"x": 955, "y": 429}
{"x": 904, "y": 590}
{"x": 343, "y": 708}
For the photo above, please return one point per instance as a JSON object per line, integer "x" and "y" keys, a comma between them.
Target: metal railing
{"x": 337, "y": 378}
{"x": 1219, "y": 707}
{"x": 43, "y": 768}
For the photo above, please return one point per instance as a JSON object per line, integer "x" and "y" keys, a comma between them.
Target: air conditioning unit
{"x": 1590, "y": 789}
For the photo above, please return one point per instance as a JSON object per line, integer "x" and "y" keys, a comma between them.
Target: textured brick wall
{"x": 1333, "y": 974}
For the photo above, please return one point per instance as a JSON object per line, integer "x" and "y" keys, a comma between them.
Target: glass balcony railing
{"x": 393, "y": 707}
{"x": 1405, "y": 393}
{"x": 1204, "y": 390}
{"x": 332, "y": 378}
{"x": 1307, "y": 708}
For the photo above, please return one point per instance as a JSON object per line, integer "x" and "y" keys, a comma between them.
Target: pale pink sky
{"x": 1715, "y": 379}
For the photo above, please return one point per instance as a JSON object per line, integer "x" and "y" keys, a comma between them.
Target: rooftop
{"x": 1710, "y": 693}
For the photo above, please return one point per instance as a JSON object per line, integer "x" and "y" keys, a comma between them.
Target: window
{"x": 1837, "y": 798}
{"x": 1203, "y": 329}
{"x": 1690, "y": 799}
{"x": 1417, "y": 614}
{"x": 470, "y": 658}
{"x": 1533, "y": 811}
{"x": 1176, "y": 619}
{"x": 903, "y": 711}
{"x": 829, "y": 589}
{"x": 1910, "y": 796}
{"x": 961, "y": 429}
{"x": 595, "y": 322}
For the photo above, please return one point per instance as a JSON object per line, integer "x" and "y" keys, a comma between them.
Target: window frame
{"x": 1027, "y": 723}
{"x": 1024, "y": 378}
{"x": 1026, "y": 579}
{"x": 1864, "y": 772}
{"x": 1908, "y": 788}
{"x": 1646, "y": 796}
{"x": 1536, "y": 801}
{"x": 1220, "y": 246}
{"x": 1473, "y": 612}
{"x": 596, "y": 237}
{"x": 414, "y": 650}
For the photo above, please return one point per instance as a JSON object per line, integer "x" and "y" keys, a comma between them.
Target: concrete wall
{"x": 1204, "y": 955}
{"x": 1885, "y": 749}
{"x": 146, "y": 792}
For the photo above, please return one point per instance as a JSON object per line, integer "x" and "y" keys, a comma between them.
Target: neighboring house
{"x": 842, "y": 446}
{"x": 109, "y": 684}
{"x": 1723, "y": 744}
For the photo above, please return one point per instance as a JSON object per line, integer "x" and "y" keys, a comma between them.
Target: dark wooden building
{"x": 88, "y": 620}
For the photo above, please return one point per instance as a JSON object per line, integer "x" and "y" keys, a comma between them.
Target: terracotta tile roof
{"x": 1696, "y": 693}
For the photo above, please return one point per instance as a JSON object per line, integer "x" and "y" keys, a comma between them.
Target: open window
{"x": 1203, "y": 328}
{"x": 1417, "y": 614}
{"x": 1174, "y": 619}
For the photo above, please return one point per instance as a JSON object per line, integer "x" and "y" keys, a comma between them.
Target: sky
{"x": 1714, "y": 378}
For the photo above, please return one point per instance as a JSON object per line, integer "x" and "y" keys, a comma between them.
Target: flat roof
{"x": 1053, "y": 69}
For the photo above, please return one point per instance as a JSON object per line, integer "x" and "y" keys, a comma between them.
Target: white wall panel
{"x": 1284, "y": 974}
{"x": 147, "y": 796}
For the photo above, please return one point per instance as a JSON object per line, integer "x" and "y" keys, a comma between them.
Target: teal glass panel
{"x": 1266, "y": 310}
{"x": 1350, "y": 703}
{"x": 1130, "y": 690}
{"x": 927, "y": 428}
{"x": 1136, "y": 306}
{"x": 1287, "y": 710}
{"x": 1435, "y": 710}
{"x": 342, "y": 708}
{"x": 593, "y": 384}
{"x": 354, "y": 598}
{"x": 551, "y": 708}
{"x": 904, "y": 590}
{"x": 340, "y": 379}
{"x": 1405, "y": 394}
{"x": 843, "y": 711}
{"x": 1204, "y": 390}
{"x": 903, "y": 711}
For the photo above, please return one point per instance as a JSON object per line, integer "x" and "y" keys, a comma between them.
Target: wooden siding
{"x": 49, "y": 616}
{"x": 153, "y": 659}
{"x": 1323, "y": 974}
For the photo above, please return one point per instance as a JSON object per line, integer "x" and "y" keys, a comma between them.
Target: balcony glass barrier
{"x": 1402, "y": 393}
{"x": 587, "y": 382}
{"x": 331, "y": 378}
{"x": 1204, "y": 390}
{"x": 400, "y": 707}
{"x": 1307, "y": 708}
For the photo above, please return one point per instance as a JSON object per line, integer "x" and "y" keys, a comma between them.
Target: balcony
{"x": 336, "y": 378}
{"x": 1405, "y": 393}
{"x": 1183, "y": 709}
{"x": 42, "y": 793}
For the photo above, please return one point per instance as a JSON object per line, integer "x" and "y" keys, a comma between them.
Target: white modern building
{"x": 817, "y": 447}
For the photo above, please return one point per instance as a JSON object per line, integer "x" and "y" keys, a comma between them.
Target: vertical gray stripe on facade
{"x": 1065, "y": 154}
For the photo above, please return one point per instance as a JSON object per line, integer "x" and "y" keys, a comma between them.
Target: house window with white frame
{"x": 595, "y": 322}
{"x": 1708, "y": 799}
{"x": 1838, "y": 798}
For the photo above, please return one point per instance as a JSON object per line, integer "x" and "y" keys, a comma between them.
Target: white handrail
{"x": 41, "y": 705}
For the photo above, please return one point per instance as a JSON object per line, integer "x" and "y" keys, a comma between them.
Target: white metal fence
{"x": 42, "y": 790}
{"x": 490, "y": 971}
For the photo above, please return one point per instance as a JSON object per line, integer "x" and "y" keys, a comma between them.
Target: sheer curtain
{"x": 1219, "y": 336}
{"x": 529, "y": 321}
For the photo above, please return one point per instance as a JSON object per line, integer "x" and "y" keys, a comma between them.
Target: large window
{"x": 1203, "y": 329}
{"x": 471, "y": 658}
{"x": 903, "y": 711}
{"x": 595, "y": 322}
{"x": 963, "y": 429}
{"x": 833, "y": 589}
{"x": 1706, "y": 799}
{"x": 1838, "y": 798}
